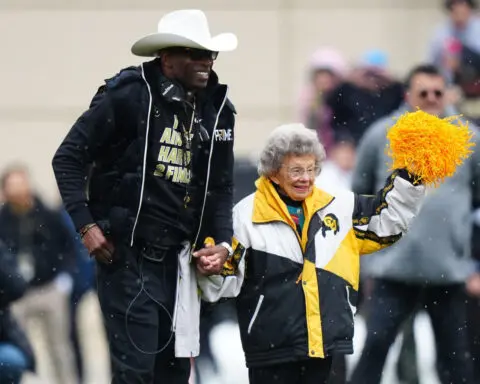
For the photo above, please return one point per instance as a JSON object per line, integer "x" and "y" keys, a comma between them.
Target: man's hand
{"x": 98, "y": 246}
{"x": 210, "y": 259}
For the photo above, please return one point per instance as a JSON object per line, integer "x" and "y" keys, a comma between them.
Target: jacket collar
{"x": 172, "y": 90}
{"x": 268, "y": 205}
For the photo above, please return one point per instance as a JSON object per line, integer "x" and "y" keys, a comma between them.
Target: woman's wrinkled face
{"x": 296, "y": 176}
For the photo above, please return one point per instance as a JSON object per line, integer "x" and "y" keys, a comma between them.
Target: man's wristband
{"x": 228, "y": 247}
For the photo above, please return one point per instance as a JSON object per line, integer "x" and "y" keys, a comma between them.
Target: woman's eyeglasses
{"x": 297, "y": 172}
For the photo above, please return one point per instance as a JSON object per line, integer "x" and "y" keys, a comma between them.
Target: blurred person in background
{"x": 462, "y": 29}
{"x": 369, "y": 93}
{"x": 83, "y": 274}
{"x": 327, "y": 69}
{"x": 295, "y": 268}
{"x": 143, "y": 173}
{"x": 455, "y": 48}
{"x": 16, "y": 354}
{"x": 430, "y": 266}
{"x": 338, "y": 168}
{"x": 39, "y": 240}
{"x": 473, "y": 290}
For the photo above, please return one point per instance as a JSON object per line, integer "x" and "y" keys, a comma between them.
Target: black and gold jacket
{"x": 296, "y": 293}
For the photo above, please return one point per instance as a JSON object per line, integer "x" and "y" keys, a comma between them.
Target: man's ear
{"x": 166, "y": 59}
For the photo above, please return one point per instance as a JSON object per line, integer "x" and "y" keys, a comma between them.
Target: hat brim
{"x": 149, "y": 45}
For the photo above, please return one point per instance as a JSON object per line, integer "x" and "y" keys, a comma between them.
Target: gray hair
{"x": 289, "y": 139}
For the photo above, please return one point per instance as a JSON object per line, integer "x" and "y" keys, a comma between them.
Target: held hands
{"x": 97, "y": 245}
{"x": 210, "y": 259}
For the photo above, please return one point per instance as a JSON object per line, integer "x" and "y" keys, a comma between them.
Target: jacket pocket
{"x": 255, "y": 313}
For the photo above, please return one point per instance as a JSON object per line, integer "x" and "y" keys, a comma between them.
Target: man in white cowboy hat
{"x": 146, "y": 175}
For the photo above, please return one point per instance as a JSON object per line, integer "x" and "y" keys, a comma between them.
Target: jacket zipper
{"x": 352, "y": 308}
{"x": 209, "y": 169}
{"x": 145, "y": 160}
{"x": 255, "y": 314}
{"x": 150, "y": 102}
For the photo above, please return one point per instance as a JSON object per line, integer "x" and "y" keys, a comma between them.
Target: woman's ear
{"x": 275, "y": 180}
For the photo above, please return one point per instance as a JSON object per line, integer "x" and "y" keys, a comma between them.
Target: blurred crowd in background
{"x": 343, "y": 102}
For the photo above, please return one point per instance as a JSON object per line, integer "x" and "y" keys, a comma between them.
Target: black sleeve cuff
{"x": 223, "y": 235}
{"x": 81, "y": 216}
{"x": 403, "y": 173}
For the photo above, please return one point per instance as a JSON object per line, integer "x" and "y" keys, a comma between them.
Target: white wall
{"x": 55, "y": 53}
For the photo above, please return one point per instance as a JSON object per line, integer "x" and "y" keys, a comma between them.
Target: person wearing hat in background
{"x": 155, "y": 153}
{"x": 327, "y": 69}
{"x": 369, "y": 93}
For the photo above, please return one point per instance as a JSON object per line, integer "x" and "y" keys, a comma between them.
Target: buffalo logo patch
{"x": 330, "y": 223}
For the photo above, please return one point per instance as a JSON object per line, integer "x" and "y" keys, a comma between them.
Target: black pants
{"x": 473, "y": 316}
{"x": 390, "y": 305}
{"x": 407, "y": 370}
{"x": 311, "y": 371}
{"x": 75, "y": 339}
{"x": 137, "y": 298}
{"x": 338, "y": 373}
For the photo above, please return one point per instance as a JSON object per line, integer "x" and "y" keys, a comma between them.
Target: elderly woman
{"x": 295, "y": 268}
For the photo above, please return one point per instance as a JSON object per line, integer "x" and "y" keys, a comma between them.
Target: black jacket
{"x": 12, "y": 287}
{"x": 42, "y": 233}
{"x": 355, "y": 109}
{"x": 112, "y": 136}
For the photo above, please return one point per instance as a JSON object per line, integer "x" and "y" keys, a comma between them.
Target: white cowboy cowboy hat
{"x": 184, "y": 28}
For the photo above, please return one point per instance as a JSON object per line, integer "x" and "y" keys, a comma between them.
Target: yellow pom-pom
{"x": 430, "y": 148}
